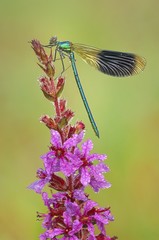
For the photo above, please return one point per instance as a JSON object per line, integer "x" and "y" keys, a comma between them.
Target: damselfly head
{"x": 53, "y": 41}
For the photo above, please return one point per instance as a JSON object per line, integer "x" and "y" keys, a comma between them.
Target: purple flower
{"x": 89, "y": 214}
{"x": 66, "y": 217}
{"x": 92, "y": 174}
{"x": 38, "y": 185}
{"x": 97, "y": 180}
{"x": 61, "y": 156}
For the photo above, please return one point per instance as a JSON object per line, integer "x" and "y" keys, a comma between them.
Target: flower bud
{"x": 39, "y": 51}
{"x": 60, "y": 86}
{"x": 79, "y": 127}
{"x": 49, "y": 122}
{"x": 47, "y": 86}
{"x": 62, "y": 105}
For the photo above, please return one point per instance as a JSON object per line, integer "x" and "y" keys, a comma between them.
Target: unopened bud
{"x": 60, "y": 86}
{"x": 49, "y": 122}
{"x": 39, "y": 51}
{"x": 79, "y": 127}
{"x": 47, "y": 86}
{"x": 62, "y": 105}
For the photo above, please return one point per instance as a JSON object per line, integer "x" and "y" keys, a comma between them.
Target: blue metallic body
{"x": 66, "y": 47}
{"x": 72, "y": 59}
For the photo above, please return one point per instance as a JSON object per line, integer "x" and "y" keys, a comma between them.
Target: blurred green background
{"x": 126, "y": 110}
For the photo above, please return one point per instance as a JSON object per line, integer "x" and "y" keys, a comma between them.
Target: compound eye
{"x": 53, "y": 41}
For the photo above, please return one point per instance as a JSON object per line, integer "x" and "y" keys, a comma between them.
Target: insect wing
{"x": 113, "y": 63}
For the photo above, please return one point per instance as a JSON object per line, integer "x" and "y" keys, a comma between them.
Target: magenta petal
{"x": 87, "y": 147}
{"x": 51, "y": 163}
{"x": 98, "y": 170}
{"x": 80, "y": 195}
{"x": 72, "y": 209}
{"x": 80, "y": 137}
{"x": 43, "y": 236}
{"x": 91, "y": 229}
{"x": 101, "y": 218}
{"x": 95, "y": 156}
{"x": 85, "y": 177}
{"x": 92, "y": 237}
{"x": 102, "y": 167}
{"x": 74, "y": 140}
{"x": 77, "y": 225}
{"x": 55, "y": 232}
{"x": 45, "y": 198}
{"x": 89, "y": 205}
{"x": 101, "y": 227}
{"x": 96, "y": 185}
{"x": 69, "y": 238}
{"x": 68, "y": 167}
{"x": 67, "y": 219}
{"x": 56, "y": 138}
{"x": 38, "y": 185}
{"x": 69, "y": 143}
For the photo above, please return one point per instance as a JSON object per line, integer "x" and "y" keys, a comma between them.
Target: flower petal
{"x": 89, "y": 205}
{"x": 85, "y": 176}
{"x": 91, "y": 229}
{"x": 56, "y": 138}
{"x": 96, "y": 185}
{"x": 80, "y": 195}
{"x": 87, "y": 147}
{"x": 72, "y": 209}
{"x": 69, "y": 167}
{"x": 96, "y": 156}
{"x": 38, "y": 185}
{"x": 77, "y": 225}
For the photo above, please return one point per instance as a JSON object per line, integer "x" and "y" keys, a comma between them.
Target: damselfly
{"x": 117, "y": 64}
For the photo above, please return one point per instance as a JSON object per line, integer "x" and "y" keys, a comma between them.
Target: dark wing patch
{"x": 119, "y": 64}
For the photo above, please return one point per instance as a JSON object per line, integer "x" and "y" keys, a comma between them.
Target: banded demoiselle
{"x": 117, "y": 64}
